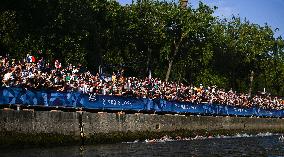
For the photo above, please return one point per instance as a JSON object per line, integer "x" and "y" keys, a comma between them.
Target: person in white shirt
{"x": 7, "y": 77}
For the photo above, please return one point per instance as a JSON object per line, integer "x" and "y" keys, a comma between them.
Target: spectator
{"x": 40, "y": 75}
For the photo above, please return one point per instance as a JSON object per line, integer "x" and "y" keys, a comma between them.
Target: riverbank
{"x": 41, "y": 128}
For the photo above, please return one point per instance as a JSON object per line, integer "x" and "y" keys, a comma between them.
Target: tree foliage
{"x": 177, "y": 44}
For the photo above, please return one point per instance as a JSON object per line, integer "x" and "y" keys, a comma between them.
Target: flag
{"x": 33, "y": 59}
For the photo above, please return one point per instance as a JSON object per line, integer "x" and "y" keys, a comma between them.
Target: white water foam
{"x": 170, "y": 139}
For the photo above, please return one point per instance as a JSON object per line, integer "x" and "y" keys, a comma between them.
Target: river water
{"x": 239, "y": 145}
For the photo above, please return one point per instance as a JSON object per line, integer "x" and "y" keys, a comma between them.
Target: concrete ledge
{"x": 22, "y": 140}
{"x": 44, "y": 127}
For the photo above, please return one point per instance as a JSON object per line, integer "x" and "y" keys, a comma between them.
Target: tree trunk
{"x": 183, "y": 3}
{"x": 175, "y": 51}
{"x": 169, "y": 69}
{"x": 149, "y": 59}
{"x": 251, "y": 83}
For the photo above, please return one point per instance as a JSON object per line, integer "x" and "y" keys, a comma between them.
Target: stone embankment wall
{"x": 65, "y": 123}
{"x": 109, "y": 122}
{"x": 47, "y": 127}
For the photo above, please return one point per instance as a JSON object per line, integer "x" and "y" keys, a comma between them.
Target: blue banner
{"x": 47, "y": 98}
{"x": 114, "y": 103}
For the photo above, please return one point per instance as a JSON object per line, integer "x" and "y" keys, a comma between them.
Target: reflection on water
{"x": 240, "y": 145}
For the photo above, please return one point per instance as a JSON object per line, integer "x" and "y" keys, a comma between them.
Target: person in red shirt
{"x": 57, "y": 64}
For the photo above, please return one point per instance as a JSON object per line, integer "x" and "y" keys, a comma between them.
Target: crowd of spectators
{"x": 38, "y": 74}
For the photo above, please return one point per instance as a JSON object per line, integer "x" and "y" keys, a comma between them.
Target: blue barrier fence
{"x": 102, "y": 102}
